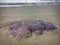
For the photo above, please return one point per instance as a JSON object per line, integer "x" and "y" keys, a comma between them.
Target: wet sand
{"x": 48, "y": 13}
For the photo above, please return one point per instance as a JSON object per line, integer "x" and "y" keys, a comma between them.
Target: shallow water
{"x": 48, "y": 13}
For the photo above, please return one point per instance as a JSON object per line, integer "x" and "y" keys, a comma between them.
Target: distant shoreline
{"x": 28, "y": 4}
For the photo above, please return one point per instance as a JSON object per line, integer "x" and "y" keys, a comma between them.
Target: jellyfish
{"x": 26, "y": 28}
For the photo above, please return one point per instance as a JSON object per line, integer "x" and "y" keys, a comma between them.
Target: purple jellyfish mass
{"x": 25, "y": 28}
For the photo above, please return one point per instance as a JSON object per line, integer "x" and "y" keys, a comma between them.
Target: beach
{"x": 47, "y": 13}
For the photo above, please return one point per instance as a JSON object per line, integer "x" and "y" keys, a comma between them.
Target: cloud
{"x": 19, "y": 0}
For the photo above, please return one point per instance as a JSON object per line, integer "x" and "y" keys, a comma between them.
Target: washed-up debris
{"x": 25, "y": 28}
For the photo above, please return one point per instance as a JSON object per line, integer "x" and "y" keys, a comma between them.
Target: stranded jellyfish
{"x": 19, "y": 31}
{"x": 25, "y": 28}
{"x": 23, "y": 32}
{"x": 49, "y": 26}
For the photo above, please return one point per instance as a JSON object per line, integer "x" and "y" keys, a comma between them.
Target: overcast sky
{"x": 19, "y": 0}
{"x": 23, "y": 0}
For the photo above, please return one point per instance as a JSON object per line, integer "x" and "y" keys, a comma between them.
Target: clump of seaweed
{"x": 25, "y": 28}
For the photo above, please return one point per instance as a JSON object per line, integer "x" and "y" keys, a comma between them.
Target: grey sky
{"x": 24, "y": 0}
{"x": 19, "y": 0}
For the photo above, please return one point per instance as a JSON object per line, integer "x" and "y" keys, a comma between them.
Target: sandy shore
{"x": 48, "y": 13}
